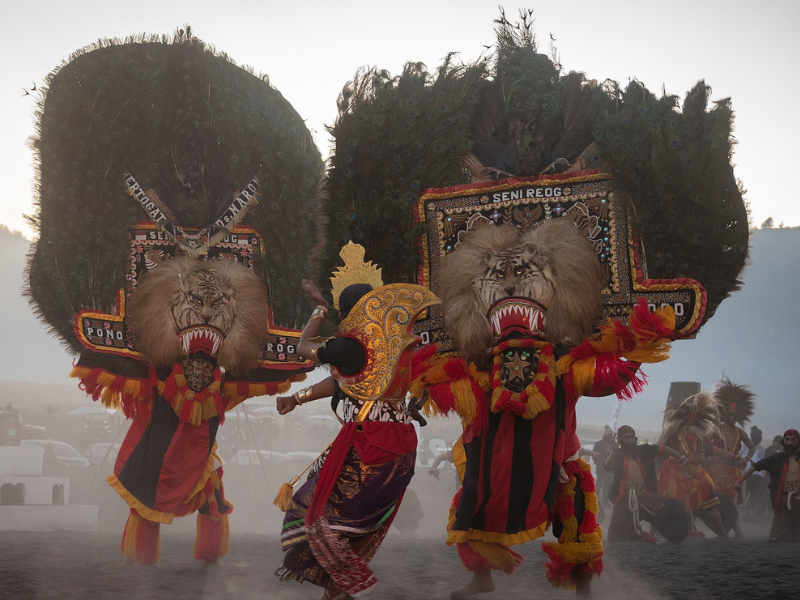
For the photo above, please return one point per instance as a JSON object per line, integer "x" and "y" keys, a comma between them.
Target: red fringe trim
{"x": 147, "y": 545}
{"x": 136, "y": 407}
{"x": 455, "y": 369}
{"x": 212, "y": 537}
{"x": 557, "y": 571}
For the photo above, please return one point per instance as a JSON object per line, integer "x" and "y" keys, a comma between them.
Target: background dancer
{"x": 735, "y": 409}
{"x": 784, "y": 487}
{"x": 634, "y": 492}
{"x": 687, "y": 425}
{"x": 604, "y": 447}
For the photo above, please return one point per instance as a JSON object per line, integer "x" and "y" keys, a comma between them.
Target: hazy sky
{"x": 745, "y": 50}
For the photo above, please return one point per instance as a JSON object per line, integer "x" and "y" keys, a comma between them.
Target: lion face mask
{"x": 500, "y": 282}
{"x": 200, "y": 313}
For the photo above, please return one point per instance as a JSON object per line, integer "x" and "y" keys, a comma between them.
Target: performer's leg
{"x": 578, "y": 555}
{"x": 779, "y": 523}
{"x": 212, "y": 537}
{"x": 621, "y": 528}
{"x": 583, "y": 583}
{"x": 213, "y": 533}
{"x": 737, "y": 530}
{"x": 785, "y": 523}
{"x": 715, "y": 523}
{"x": 141, "y": 540}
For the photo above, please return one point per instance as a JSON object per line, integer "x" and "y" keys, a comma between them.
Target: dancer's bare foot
{"x": 481, "y": 583}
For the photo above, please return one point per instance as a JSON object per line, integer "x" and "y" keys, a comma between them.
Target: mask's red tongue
{"x": 200, "y": 340}
{"x": 520, "y": 316}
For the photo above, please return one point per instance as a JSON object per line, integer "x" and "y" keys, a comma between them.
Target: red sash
{"x": 377, "y": 442}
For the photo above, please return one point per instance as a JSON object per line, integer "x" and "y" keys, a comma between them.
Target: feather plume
{"x": 735, "y": 401}
{"x": 700, "y": 411}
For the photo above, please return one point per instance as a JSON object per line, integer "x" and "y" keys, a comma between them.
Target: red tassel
{"x": 212, "y": 537}
{"x": 558, "y": 571}
{"x": 141, "y": 540}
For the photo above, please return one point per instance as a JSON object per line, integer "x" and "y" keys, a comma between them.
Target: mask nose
{"x": 510, "y": 289}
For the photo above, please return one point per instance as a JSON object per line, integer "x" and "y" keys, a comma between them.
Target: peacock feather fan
{"x": 674, "y": 166}
{"x": 516, "y": 114}
{"x": 192, "y": 127}
{"x": 394, "y": 138}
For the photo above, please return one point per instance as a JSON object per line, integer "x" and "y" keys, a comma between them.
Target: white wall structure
{"x": 31, "y": 502}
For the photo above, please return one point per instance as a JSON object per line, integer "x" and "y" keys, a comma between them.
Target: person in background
{"x": 603, "y": 448}
{"x": 756, "y": 489}
{"x": 685, "y": 429}
{"x": 776, "y": 446}
{"x": 730, "y": 447}
{"x": 634, "y": 493}
{"x": 784, "y": 488}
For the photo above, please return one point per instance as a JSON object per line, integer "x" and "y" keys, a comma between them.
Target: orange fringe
{"x": 212, "y": 538}
{"x": 646, "y": 339}
{"x": 135, "y": 396}
{"x": 453, "y": 386}
{"x": 141, "y": 540}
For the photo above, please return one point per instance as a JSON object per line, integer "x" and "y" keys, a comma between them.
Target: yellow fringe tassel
{"x": 500, "y": 557}
{"x": 283, "y": 500}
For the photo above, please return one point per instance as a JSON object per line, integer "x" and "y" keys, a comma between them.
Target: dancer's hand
{"x": 286, "y": 404}
{"x": 737, "y": 486}
{"x": 311, "y": 289}
{"x": 434, "y": 471}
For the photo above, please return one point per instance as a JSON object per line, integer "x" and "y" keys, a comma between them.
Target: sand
{"x": 64, "y": 565}
{"x": 412, "y": 563}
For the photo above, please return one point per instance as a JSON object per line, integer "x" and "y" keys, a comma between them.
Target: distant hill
{"x": 754, "y": 338}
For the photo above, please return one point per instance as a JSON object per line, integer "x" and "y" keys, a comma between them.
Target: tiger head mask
{"x": 550, "y": 273}
{"x": 186, "y": 307}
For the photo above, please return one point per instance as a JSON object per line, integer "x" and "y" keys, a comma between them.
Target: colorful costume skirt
{"x": 723, "y": 475}
{"x": 170, "y": 468}
{"x": 688, "y": 483}
{"x": 358, "y": 514}
{"x": 574, "y": 520}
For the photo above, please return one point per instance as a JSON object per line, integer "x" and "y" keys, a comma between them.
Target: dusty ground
{"x": 413, "y": 564}
{"x": 65, "y": 565}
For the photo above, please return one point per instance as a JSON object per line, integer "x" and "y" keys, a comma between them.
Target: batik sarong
{"x": 358, "y": 514}
{"x": 688, "y": 483}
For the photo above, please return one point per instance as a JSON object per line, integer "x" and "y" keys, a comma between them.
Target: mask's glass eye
{"x": 501, "y": 275}
{"x": 518, "y": 272}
